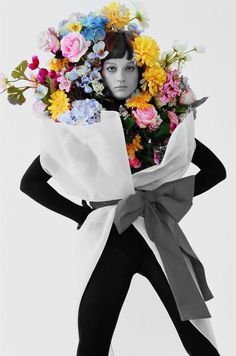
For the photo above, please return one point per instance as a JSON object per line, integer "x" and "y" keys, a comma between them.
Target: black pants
{"x": 124, "y": 255}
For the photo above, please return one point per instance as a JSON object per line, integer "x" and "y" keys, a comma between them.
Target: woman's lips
{"x": 121, "y": 88}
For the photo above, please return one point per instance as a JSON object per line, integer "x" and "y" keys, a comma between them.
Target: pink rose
{"x": 187, "y": 97}
{"x": 135, "y": 162}
{"x": 147, "y": 117}
{"x": 173, "y": 120}
{"x": 74, "y": 46}
{"x": 48, "y": 41}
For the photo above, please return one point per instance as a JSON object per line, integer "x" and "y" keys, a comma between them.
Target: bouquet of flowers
{"x": 69, "y": 90}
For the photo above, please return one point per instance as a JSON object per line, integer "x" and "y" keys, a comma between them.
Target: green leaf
{"x": 129, "y": 123}
{"x": 16, "y": 98}
{"x": 45, "y": 98}
{"x": 162, "y": 130}
{"x": 16, "y": 95}
{"x": 181, "y": 109}
{"x": 51, "y": 84}
{"x": 19, "y": 71}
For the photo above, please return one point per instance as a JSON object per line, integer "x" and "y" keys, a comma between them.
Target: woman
{"x": 127, "y": 253}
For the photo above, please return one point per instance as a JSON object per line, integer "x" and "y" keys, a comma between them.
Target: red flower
{"x": 41, "y": 75}
{"x": 35, "y": 63}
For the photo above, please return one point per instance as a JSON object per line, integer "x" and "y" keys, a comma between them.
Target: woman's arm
{"x": 34, "y": 184}
{"x": 212, "y": 170}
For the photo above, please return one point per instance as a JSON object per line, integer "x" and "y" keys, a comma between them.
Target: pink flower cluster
{"x": 43, "y": 72}
{"x": 170, "y": 89}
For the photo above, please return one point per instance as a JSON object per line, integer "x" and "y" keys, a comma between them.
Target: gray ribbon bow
{"x": 162, "y": 209}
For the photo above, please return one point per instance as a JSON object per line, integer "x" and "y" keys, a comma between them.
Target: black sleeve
{"x": 34, "y": 184}
{"x": 212, "y": 170}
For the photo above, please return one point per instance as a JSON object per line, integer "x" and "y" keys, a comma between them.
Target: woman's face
{"x": 120, "y": 75}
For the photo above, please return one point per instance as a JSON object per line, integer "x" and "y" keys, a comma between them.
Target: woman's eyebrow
{"x": 109, "y": 62}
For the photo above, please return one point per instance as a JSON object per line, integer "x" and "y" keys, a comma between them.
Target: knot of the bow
{"x": 172, "y": 198}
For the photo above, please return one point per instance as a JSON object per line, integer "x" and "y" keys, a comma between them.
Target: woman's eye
{"x": 132, "y": 68}
{"x": 110, "y": 68}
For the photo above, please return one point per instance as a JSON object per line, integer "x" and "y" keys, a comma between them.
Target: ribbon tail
{"x": 195, "y": 261}
{"x": 188, "y": 299}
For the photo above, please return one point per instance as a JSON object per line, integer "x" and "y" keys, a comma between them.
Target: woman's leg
{"x": 102, "y": 301}
{"x": 194, "y": 342}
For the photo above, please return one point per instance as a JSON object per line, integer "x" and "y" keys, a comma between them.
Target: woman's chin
{"x": 120, "y": 96}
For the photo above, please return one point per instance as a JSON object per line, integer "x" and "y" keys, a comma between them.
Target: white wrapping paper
{"x": 91, "y": 162}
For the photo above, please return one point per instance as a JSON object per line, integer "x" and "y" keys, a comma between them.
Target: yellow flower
{"x": 74, "y": 26}
{"x": 57, "y": 64}
{"x": 59, "y": 103}
{"x": 134, "y": 146}
{"x": 139, "y": 101}
{"x": 153, "y": 78}
{"x": 146, "y": 50}
{"x": 118, "y": 15}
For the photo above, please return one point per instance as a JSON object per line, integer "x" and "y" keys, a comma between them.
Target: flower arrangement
{"x": 69, "y": 90}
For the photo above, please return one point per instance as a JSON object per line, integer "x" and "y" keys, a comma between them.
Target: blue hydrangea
{"x": 94, "y": 27}
{"x": 68, "y": 118}
{"x": 87, "y": 110}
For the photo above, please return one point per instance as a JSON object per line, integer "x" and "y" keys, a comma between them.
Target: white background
{"x": 38, "y": 306}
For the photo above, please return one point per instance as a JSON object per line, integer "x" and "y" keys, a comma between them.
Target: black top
{"x": 34, "y": 183}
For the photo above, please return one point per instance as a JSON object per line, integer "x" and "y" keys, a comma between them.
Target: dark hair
{"x": 117, "y": 43}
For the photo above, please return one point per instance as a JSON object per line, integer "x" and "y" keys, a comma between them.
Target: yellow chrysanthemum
{"x": 139, "y": 101}
{"x": 74, "y": 26}
{"x": 134, "y": 146}
{"x": 59, "y": 103}
{"x": 153, "y": 78}
{"x": 146, "y": 50}
{"x": 57, "y": 64}
{"x": 118, "y": 15}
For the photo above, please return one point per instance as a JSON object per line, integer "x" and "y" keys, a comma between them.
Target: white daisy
{"x": 141, "y": 14}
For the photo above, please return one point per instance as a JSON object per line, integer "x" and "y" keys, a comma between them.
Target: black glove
{"x": 85, "y": 211}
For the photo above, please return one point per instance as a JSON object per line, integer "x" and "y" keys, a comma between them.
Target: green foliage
{"x": 163, "y": 130}
{"x": 19, "y": 71}
{"x": 51, "y": 84}
{"x": 16, "y": 95}
{"x": 128, "y": 123}
{"x": 181, "y": 109}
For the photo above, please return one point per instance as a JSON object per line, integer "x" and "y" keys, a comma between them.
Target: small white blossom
{"x": 200, "y": 48}
{"x": 3, "y": 82}
{"x": 178, "y": 47}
